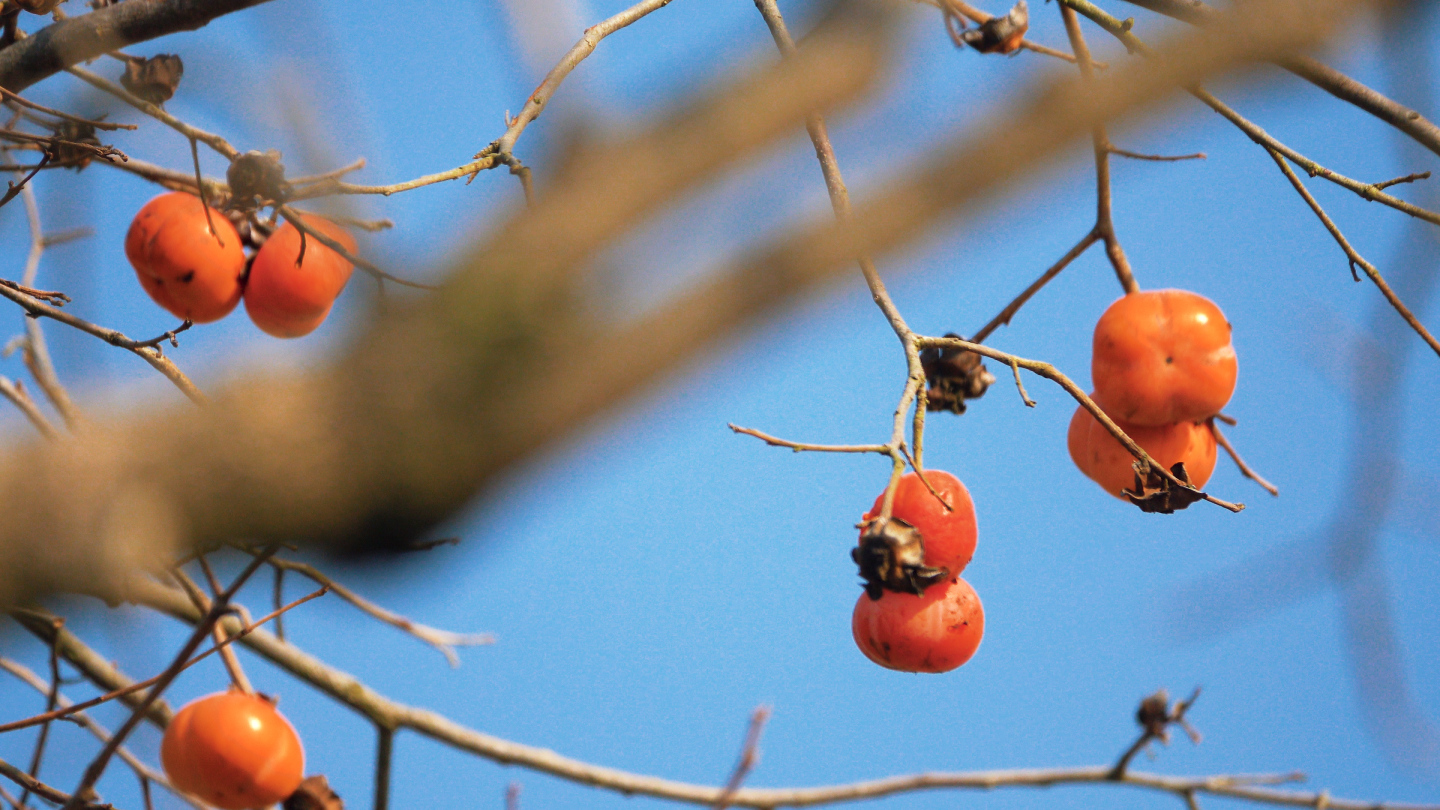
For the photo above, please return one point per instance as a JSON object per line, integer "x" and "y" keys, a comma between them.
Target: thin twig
{"x": 52, "y": 699}
{"x": 1162, "y": 158}
{"x": 1245, "y": 469}
{"x": 11, "y": 390}
{"x": 749, "y": 756}
{"x": 980, "y": 17}
{"x": 293, "y": 217}
{"x": 210, "y": 139}
{"x": 25, "y": 102}
{"x": 227, "y": 653}
{"x": 1003, "y": 319}
{"x": 384, "y": 749}
{"x": 1409, "y": 178}
{"x": 882, "y": 449}
{"x": 1354, "y": 257}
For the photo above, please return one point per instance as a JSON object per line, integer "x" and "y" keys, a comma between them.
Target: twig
{"x": 12, "y": 391}
{"x": 144, "y": 348}
{"x": 24, "y": 102}
{"x": 1409, "y": 178}
{"x": 227, "y": 653}
{"x": 1354, "y": 257}
{"x": 1100, "y": 141}
{"x": 293, "y": 217}
{"x": 1164, "y": 158}
{"x": 1015, "y": 367}
{"x": 384, "y": 748}
{"x": 51, "y": 692}
{"x": 442, "y": 640}
{"x": 145, "y": 772}
{"x": 44, "y": 791}
{"x": 980, "y": 17}
{"x": 1003, "y": 319}
{"x": 210, "y": 139}
{"x": 241, "y": 632}
{"x": 37, "y": 351}
{"x": 1245, "y": 469}
{"x": 749, "y": 756}
{"x": 883, "y": 449}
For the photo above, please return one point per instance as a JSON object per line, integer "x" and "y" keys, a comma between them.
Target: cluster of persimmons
{"x": 191, "y": 261}
{"x": 1163, "y": 367}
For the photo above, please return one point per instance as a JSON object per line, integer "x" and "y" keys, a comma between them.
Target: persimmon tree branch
{"x": 353, "y": 693}
{"x": 1332, "y": 81}
{"x": 79, "y": 39}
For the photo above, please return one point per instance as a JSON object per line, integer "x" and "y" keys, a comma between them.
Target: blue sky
{"x": 654, "y": 578}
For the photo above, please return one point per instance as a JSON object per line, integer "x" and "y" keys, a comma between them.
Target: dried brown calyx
{"x": 67, "y": 135}
{"x": 314, "y": 794}
{"x": 891, "y": 556}
{"x": 996, "y": 35}
{"x": 1155, "y": 492}
{"x": 256, "y": 178}
{"x": 154, "y": 79}
{"x": 954, "y": 375}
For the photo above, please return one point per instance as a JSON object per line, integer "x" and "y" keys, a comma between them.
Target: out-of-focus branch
{"x": 1332, "y": 81}
{"x": 449, "y": 389}
{"x": 157, "y": 112}
{"x": 80, "y": 39}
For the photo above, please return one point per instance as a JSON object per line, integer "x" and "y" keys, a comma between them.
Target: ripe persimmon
{"x": 233, "y": 750}
{"x": 949, "y": 536}
{"x": 186, "y": 268}
{"x": 936, "y": 631}
{"x": 1101, "y": 456}
{"x": 1163, "y": 357}
{"x": 289, "y": 298}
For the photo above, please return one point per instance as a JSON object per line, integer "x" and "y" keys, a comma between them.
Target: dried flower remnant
{"x": 154, "y": 79}
{"x": 1155, "y": 493}
{"x": 998, "y": 34}
{"x": 955, "y": 375}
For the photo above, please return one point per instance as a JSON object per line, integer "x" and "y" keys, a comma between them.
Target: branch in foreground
{"x": 349, "y": 691}
{"x": 88, "y": 36}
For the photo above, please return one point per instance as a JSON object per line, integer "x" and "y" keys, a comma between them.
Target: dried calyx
{"x": 1155, "y": 493}
{"x": 954, "y": 375}
{"x": 255, "y": 178}
{"x": 891, "y": 556}
{"x": 154, "y": 79}
{"x": 998, "y": 34}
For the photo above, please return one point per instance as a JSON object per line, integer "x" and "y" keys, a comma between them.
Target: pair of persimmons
{"x": 188, "y": 257}
{"x": 1163, "y": 367}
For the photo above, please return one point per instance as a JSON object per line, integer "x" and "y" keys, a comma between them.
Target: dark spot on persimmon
{"x": 188, "y": 277}
{"x": 1169, "y": 360}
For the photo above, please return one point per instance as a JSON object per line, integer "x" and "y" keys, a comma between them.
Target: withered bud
{"x": 1000, "y": 34}
{"x": 954, "y": 376}
{"x": 1155, "y": 493}
{"x": 891, "y": 556}
{"x": 256, "y": 177}
{"x": 153, "y": 79}
{"x": 69, "y": 133}
{"x": 314, "y": 794}
{"x": 1154, "y": 714}
{"x": 37, "y": 6}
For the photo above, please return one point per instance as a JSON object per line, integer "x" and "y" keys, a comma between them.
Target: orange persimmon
{"x": 1163, "y": 357}
{"x": 233, "y": 750}
{"x": 288, "y": 295}
{"x": 935, "y": 631}
{"x": 190, "y": 271}
{"x": 1101, "y": 457}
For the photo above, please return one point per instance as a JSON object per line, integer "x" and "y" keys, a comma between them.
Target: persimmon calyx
{"x": 1155, "y": 493}
{"x": 891, "y": 556}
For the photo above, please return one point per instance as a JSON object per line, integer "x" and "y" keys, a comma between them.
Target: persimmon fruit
{"x": 949, "y": 536}
{"x": 1162, "y": 357}
{"x": 935, "y": 631}
{"x": 194, "y": 273}
{"x": 233, "y": 750}
{"x": 289, "y": 298}
{"x": 1106, "y": 462}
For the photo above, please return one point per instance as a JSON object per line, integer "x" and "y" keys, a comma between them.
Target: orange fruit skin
{"x": 1162, "y": 357}
{"x": 934, "y": 632}
{"x": 287, "y": 300}
{"x": 1101, "y": 456}
{"x": 949, "y": 537}
{"x": 233, "y": 750}
{"x": 180, "y": 263}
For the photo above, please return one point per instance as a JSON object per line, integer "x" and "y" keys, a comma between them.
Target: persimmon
{"x": 289, "y": 295}
{"x": 936, "y": 631}
{"x": 233, "y": 750}
{"x": 1106, "y": 462}
{"x": 949, "y": 536}
{"x": 194, "y": 273}
{"x": 1162, "y": 357}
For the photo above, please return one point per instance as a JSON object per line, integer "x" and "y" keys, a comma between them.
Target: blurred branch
{"x": 1332, "y": 81}
{"x": 80, "y": 39}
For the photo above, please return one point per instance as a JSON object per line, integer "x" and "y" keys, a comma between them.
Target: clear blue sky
{"x": 655, "y": 578}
